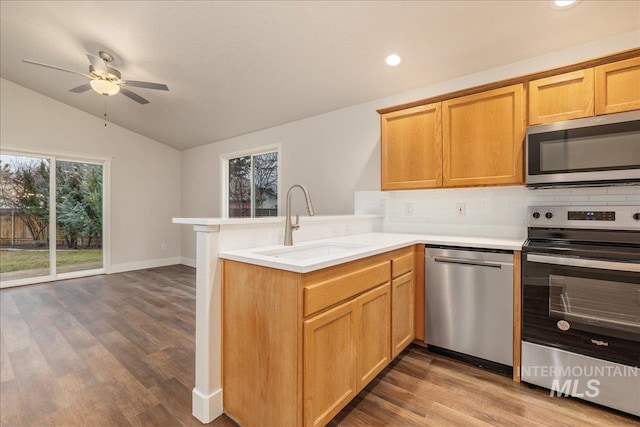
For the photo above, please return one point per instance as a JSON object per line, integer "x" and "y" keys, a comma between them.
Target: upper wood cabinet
{"x": 605, "y": 89}
{"x": 483, "y": 138}
{"x": 412, "y": 148}
{"x": 468, "y": 141}
{"x": 562, "y": 97}
{"x": 475, "y": 136}
{"x": 617, "y": 86}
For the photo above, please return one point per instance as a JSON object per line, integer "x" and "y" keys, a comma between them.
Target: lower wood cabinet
{"x": 402, "y": 327}
{"x": 373, "y": 337}
{"x": 344, "y": 349}
{"x": 298, "y": 347}
{"x": 330, "y": 377}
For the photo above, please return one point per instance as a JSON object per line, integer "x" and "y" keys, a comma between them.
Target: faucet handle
{"x": 296, "y": 224}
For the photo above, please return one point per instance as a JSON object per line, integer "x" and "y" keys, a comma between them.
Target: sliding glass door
{"x": 51, "y": 223}
{"x": 78, "y": 216}
{"x": 24, "y": 217}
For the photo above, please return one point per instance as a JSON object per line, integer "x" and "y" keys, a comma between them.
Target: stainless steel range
{"x": 581, "y": 303}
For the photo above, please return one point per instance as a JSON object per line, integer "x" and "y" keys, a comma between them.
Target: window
{"x": 251, "y": 183}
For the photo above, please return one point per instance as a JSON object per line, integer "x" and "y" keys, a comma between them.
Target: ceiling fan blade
{"x": 81, "y": 88}
{"x": 132, "y": 95}
{"x": 28, "y": 61}
{"x": 97, "y": 63}
{"x": 145, "y": 85}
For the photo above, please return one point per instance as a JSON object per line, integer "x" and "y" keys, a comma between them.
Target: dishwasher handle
{"x": 467, "y": 261}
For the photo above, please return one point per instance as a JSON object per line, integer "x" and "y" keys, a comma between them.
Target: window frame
{"x": 224, "y": 177}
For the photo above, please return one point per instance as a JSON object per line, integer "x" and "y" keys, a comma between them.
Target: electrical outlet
{"x": 163, "y": 246}
{"x": 461, "y": 209}
{"x": 408, "y": 209}
{"x": 382, "y": 205}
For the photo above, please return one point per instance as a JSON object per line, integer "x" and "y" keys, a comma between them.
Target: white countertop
{"x": 357, "y": 246}
{"x": 267, "y": 220}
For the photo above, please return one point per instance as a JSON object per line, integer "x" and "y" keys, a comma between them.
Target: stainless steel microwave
{"x": 595, "y": 151}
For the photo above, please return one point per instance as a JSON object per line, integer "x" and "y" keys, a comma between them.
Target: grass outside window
{"x": 18, "y": 260}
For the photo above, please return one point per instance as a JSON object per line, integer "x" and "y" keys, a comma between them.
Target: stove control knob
{"x": 548, "y": 215}
{"x": 636, "y": 216}
{"x": 536, "y": 215}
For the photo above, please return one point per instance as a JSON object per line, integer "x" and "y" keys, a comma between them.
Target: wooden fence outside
{"x": 14, "y": 233}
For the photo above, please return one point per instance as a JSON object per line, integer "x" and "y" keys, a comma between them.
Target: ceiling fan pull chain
{"x": 105, "y": 110}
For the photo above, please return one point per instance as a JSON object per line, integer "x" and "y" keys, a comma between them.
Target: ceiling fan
{"x": 106, "y": 80}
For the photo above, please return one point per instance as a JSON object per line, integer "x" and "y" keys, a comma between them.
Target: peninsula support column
{"x": 207, "y": 394}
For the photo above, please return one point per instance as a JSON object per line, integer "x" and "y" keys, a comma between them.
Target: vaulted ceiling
{"x": 234, "y": 67}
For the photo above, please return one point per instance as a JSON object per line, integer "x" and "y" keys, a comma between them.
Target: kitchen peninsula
{"x": 366, "y": 266}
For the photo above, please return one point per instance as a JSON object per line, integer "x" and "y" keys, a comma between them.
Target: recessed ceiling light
{"x": 563, "y": 4}
{"x": 393, "y": 60}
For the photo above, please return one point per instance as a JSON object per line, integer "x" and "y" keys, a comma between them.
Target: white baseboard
{"x": 141, "y": 265}
{"x": 206, "y": 408}
{"x": 189, "y": 262}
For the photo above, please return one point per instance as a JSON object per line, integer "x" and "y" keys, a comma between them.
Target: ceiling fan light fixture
{"x": 105, "y": 87}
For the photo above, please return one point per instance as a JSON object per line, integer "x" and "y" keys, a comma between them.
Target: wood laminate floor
{"x": 118, "y": 350}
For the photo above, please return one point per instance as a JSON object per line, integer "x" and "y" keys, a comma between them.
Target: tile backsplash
{"x": 484, "y": 212}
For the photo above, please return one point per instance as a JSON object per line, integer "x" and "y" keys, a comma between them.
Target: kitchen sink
{"x": 306, "y": 252}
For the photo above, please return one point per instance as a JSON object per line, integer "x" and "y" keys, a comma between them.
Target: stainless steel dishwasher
{"x": 469, "y": 303}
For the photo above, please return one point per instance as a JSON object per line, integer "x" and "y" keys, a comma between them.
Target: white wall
{"x": 145, "y": 175}
{"x": 337, "y": 153}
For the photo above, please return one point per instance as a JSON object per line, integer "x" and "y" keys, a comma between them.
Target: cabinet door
{"x": 330, "y": 380}
{"x": 483, "y": 138}
{"x": 563, "y": 97}
{"x": 412, "y": 148}
{"x": 373, "y": 333}
{"x": 402, "y": 313}
{"x": 618, "y": 86}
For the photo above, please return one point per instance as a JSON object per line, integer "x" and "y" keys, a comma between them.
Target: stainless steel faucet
{"x": 288, "y": 226}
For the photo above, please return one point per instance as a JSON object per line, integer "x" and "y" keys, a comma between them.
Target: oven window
{"x": 590, "y": 302}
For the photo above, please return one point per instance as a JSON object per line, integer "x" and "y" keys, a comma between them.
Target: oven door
{"x": 586, "y": 306}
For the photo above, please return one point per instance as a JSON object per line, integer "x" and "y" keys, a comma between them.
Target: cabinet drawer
{"x": 401, "y": 265}
{"x": 327, "y": 293}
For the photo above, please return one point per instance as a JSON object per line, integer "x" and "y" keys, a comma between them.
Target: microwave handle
{"x": 587, "y": 263}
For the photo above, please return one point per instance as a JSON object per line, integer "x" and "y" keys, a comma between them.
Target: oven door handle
{"x": 587, "y": 263}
